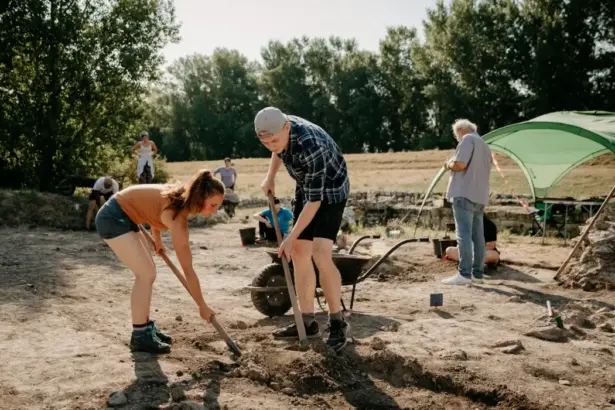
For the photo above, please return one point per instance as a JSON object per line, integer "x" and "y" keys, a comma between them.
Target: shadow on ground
{"x": 38, "y": 265}
{"x": 362, "y": 324}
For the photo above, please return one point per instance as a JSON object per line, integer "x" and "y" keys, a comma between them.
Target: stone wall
{"x": 388, "y": 198}
{"x": 514, "y": 219}
{"x": 379, "y": 207}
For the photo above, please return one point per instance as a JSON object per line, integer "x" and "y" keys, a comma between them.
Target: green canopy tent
{"x": 548, "y": 147}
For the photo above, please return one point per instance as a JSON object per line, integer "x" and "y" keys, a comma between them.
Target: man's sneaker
{"x": 457, "y": 280}
{"x": 290, "y": 332}
{"x": 164, "y": 338}
{"x": 478, "y": 281}
{"x": 147, "y": 341}
{"x": 338, "y": 335}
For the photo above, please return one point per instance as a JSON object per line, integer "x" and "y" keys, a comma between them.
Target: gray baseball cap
{"x": 269, "y": 120}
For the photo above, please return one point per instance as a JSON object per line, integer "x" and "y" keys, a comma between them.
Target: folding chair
{"x": 539, "y": 216}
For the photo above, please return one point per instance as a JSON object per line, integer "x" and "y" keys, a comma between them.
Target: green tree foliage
{"x": 74, "y": 76}
{"x": 494, "y": 61}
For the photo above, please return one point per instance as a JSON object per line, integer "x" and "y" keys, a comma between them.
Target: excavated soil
{"x": 65, "y": 318}
{"x": 593, "y": 265}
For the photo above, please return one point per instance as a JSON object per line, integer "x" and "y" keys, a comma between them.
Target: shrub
{"x": 125, "y": 173}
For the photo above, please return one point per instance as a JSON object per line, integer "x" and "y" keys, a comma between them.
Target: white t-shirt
{"x": 99, "y": 185}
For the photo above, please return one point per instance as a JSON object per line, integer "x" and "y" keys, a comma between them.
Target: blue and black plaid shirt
{"x": 316, "y": 163}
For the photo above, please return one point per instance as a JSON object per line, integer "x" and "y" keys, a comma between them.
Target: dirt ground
{"x": 66, "y": 324}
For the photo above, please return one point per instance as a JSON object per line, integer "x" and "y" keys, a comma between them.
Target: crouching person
{"x": 266, "y": 227}
{"x": 492, "y": 254}
{"x": 104, "y": 188}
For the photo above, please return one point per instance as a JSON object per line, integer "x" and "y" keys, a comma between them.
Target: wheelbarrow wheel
{"x": 271, "y": 304}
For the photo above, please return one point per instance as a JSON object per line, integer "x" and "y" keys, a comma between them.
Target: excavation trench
{"x": 320, "y": 372}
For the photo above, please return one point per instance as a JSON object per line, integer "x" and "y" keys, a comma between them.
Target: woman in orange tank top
{"x": 163, "y": 207}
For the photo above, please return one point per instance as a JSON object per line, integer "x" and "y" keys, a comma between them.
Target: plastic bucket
{"x": 436, "y": 248}
{"x": 248, "y": 236}
{"x": 440, "y": 245}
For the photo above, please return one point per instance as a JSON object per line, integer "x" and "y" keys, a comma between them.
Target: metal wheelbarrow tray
{"x": 268, "y": 289}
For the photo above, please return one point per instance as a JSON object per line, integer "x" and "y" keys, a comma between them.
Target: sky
{"x": 248, "y": 25}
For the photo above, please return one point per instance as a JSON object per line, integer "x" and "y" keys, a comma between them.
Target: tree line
{"x": 495, "y": 62}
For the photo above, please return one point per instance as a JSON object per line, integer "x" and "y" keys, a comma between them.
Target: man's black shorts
{"x": 96, "y": 194}
{"x": 325, "y": 224}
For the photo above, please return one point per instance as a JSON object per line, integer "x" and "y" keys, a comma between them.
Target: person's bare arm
{"x": 268, "y": 184}
{"x": 181, "y": 243}
{"x": 261, "y": 218}
{"x": 154, "y": 147}
{"x": 274, "y": 166}
{"x": 455, "y": 166}
{"x": 305, "y": 217}
{"x": 314, "y": 187}
{"x": 158, "y": 246}
{"x": 462, "y": 156}
{"x": 135, "y": 148}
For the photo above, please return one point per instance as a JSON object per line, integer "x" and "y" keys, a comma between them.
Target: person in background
{"x": 468, "y": 190}
{"x": 227, "y": 174}
{"x": 147, "y": 149}
{"x": 349, "y": 221}
{"x": 266, "y": 227}
{"x": 104, "y": 187}
{"x": 492, "y": 255}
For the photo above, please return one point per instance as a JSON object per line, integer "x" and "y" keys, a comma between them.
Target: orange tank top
{"x": 144, "y": 204}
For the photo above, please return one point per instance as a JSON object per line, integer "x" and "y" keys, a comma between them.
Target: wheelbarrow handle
{"x": 387, "y": 254}
{"x": 361, "y": 238}
{"x": 379, "y": 261}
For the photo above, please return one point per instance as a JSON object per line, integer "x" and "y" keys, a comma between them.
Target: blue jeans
{"x": 470, "y": 233}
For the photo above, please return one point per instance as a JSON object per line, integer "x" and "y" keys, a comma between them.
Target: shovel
{"x": 289, "y": 280}
{"x": 229, "y": 342}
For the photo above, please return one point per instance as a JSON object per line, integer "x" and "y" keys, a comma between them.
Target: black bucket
{"x": 248, "y": 236}
{"x": 436, "y": 248}
{"x": 440, "y": 245}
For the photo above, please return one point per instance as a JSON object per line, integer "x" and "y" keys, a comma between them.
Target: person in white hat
{"x": 104, "y": 187}
{"x": 317, "y": 165}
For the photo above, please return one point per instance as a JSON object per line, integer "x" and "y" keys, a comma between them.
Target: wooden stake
{"x": 582, "y": 238}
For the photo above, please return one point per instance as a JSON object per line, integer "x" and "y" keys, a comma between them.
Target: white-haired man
{"x": 468, "y": 191}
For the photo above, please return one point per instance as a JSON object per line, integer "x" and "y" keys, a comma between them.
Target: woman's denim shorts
{"x": 112, "y": 222}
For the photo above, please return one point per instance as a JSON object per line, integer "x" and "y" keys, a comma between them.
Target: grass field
{"x": 412, "y": 172}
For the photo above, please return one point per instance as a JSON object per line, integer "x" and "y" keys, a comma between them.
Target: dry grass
{"x": 412, "y": 172}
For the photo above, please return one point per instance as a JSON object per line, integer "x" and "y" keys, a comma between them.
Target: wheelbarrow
{"x": 269, "y": 292}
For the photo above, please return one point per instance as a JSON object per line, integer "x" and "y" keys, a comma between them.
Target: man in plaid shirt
{"x": 316, "y": 163}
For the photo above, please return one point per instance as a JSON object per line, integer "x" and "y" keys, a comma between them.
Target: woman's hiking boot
{"x": 164, "y": 338}
{"x": 146, "y": 340}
